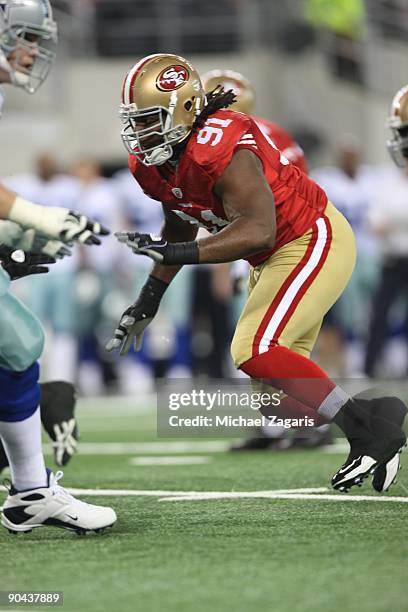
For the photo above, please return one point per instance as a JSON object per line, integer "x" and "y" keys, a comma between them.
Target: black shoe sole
{"x": 78, "y": 531}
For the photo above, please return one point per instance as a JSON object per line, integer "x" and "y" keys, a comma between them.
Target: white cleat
{"x": 53, "y": 506}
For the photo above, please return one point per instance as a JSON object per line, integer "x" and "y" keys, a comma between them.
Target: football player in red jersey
{"x": 266, "y": 437}
{"x": 245, "y": 103}
{"x": 214, "y": 167}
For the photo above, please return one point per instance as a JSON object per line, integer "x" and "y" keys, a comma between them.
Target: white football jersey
{"x": 353, "y": 197}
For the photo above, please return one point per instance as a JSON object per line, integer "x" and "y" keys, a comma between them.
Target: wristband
{"x": 26, "y": 213}
{"x": 44, "y": 219}
{"x": 152, "y": 293}
{"x": 182, "y": 253}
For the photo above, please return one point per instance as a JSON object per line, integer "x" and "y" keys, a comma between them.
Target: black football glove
{"x": 18, "y": 263}
{"x": 57, "y": 405}
{"x": 158, "y": 249}
{"x": 137, "y": 317}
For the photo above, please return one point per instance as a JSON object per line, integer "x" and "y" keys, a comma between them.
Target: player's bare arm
{"x": 250, "y": 207}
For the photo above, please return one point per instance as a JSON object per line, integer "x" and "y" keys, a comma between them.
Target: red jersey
{"x": 284, "y": 141}
{"x": 189, "y": 190}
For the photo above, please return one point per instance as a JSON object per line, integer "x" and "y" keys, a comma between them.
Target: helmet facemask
{"x": 20, "y": 39}
{"x": 162, "y": 97}
{"x": 397, "y": 145}
{"x": 152, "y": 144}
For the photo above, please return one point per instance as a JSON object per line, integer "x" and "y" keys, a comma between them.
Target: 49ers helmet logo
{"x": 172, "y": 77}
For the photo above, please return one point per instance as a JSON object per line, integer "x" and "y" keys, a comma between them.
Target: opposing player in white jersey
{"x": 35, "y": 499}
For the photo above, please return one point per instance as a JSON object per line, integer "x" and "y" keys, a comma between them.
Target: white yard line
{"x": 204, "y": 495}
{"x": 173, "y": 447}
{"x": 282, "y": 495}
{"x": 159, "y": 493}
{"x": 181, "y": 460}
{"x": 112, "y": 404}
{"x": 314, "y": 494}
{"x": 128, "y": 448}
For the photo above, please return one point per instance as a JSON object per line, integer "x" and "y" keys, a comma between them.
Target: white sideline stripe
{"x": 128, "y": 448}
{"x": 96, "y": 404}
{"x": 119, "y": 492}
{"x": 182, "y": 460}
{"x": 154, "y": 493}
{"x": 295, "y": 286}
{"x": 239, "y": 494}
{"x": 314, "y": 494}
{"x": 301, "y": 496}
{"x": 108, "y": 426}
{"x": 89, "y": 415}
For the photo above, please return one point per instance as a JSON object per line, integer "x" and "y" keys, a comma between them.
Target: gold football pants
{"x": 290, "y": 293}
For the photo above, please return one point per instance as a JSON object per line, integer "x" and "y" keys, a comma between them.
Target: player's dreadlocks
{"x": 217, "y": 99}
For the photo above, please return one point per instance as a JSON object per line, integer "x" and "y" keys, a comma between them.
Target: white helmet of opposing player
{"x": 25, "y": 25}
{"x": 398, "y": 123}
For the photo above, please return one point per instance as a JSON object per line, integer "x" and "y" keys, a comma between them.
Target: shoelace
{"x": 56, "y": 489}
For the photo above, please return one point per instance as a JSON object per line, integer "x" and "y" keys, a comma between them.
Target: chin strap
{"x": 159, "y": 155}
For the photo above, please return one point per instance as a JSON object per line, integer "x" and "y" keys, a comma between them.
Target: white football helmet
{"x": 398, "y": 123}
{"x": 24, "y": 26}
{"x": 161, "y": 97}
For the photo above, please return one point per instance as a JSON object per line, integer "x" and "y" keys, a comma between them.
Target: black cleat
{"x": 353, "y": 472}
{"x": 393, "y": 410}
{"x": 373, "y": 440}
{"x": 57, "y": 406}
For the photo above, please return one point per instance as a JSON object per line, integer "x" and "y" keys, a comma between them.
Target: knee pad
{"x": 19, "y": 393}
{"x": 21, "y": 335}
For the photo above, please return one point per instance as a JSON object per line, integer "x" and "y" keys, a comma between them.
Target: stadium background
{"x": 326, "y": 70}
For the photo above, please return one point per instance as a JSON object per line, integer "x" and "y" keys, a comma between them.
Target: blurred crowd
{"x": 83, "y": 296}
{"x": 81, "y": 299}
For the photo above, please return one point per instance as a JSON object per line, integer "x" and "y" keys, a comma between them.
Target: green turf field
{"x": 242, "y": 553}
